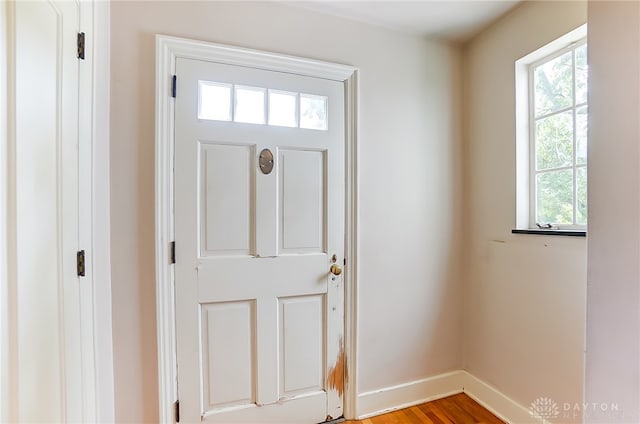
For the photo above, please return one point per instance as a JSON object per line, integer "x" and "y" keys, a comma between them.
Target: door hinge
{"x": 173, "y": 86}
{"x": 172, "y": 252}
{"x": 81, "y": 45}
{"x": 80, "y": 263}
{"x": 176, "y": 411}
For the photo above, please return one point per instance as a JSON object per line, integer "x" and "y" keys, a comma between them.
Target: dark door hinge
{"x": 176, "y": 411}
{"x": 80, "y": 263}
{"x": 173, "y": 86}
{"x": 172, "y": 252}
{"x": 81, "y": 45}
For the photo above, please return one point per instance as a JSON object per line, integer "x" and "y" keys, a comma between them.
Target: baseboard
{"x": 497, "y": 402}
{"x": 388, "y": 399}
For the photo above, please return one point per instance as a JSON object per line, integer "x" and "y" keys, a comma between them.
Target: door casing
{"x": 168, "y": 49}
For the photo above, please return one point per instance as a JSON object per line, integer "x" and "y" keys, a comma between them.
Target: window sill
{"x": 569, "y": 233}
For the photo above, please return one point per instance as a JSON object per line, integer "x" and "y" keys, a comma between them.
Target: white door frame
{"x": 5, "y": 362}
{"x": 97, "y": 337}
{"x": 95, "y": 396}
{"x": 168, "y": 49}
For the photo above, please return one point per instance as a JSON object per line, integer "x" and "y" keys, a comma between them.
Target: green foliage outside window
{"x": 560, "y": 132}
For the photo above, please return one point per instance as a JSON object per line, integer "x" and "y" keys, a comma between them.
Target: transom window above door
{"x": 218, "y": 101}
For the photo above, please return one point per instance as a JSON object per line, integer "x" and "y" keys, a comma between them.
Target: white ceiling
{"x": 449, "y": 19}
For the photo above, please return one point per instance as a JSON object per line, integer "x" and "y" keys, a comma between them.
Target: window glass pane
{"x": 582, "y": 74}
{"x": 554, "y": 197}
{"x": 581, "y": 196}
{"x": 250, "y": 105}
{"x": 313, "y": 112}
{"x": 581, "y": 135}
{"x": 553, "y": 82}
{"x": 554, "y": 141}
{"x": 283, "y": 107}
{"x": 214, "y": 101}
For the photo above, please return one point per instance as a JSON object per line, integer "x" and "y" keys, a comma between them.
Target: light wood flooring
{"x": 456, "y": 409}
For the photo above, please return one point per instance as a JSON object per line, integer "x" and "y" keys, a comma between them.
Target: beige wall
{"x": 613, "y": 331}
{"x": 524, "y": 294}
{"x": 410, "y": 185}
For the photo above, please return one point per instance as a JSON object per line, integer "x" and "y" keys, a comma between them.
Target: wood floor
{"x": 456, "y": 409}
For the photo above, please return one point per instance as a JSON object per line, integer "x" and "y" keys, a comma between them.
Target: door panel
{"x": 227, "y": 227}
{"x": 303, "y": 196}
{"x": 302, "y": 330}
{"x": 254, "y": 296}
{"x": 228, "y": 367}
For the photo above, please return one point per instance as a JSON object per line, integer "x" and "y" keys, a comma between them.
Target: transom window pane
{"x": 313, "y": 112}
{"x": 283, "y": 108}
{"x": 214, "y": 101}
{"x": 250, "y": 106}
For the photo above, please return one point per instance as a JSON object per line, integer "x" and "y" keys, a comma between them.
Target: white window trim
{"x": 525, "y": 196}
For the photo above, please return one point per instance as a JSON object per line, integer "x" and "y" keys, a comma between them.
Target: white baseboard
{"x": 497, "y": 402}
{"x": 389, "y": 399}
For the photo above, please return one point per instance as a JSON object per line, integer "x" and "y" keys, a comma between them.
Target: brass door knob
{"x": 335, "y": 269}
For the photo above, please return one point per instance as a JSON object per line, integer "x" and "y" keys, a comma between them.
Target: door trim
{"x": 99, "y": 402}
{"x": 168, "y": 49}
{"x": 7, "y": 313}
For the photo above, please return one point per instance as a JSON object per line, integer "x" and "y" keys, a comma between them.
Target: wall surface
{"x": 410, "y": 186}
{"x": 612, "y": 382}
{"x": 524, "y": 294}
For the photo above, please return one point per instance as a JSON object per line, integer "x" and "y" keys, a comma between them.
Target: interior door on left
{"x": 42, "y": 213}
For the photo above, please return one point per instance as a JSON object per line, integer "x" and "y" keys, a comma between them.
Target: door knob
{"x": 335, "y": 269}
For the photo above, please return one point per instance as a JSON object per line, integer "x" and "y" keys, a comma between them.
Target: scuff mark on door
{"x": 336, "y": 377}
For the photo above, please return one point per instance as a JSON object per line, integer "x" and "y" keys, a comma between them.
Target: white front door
{"x": 259, "y": 314}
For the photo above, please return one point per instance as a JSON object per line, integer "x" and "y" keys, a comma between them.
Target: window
{"x": 552, "y": 140}
{"x": 219, "y": 101}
